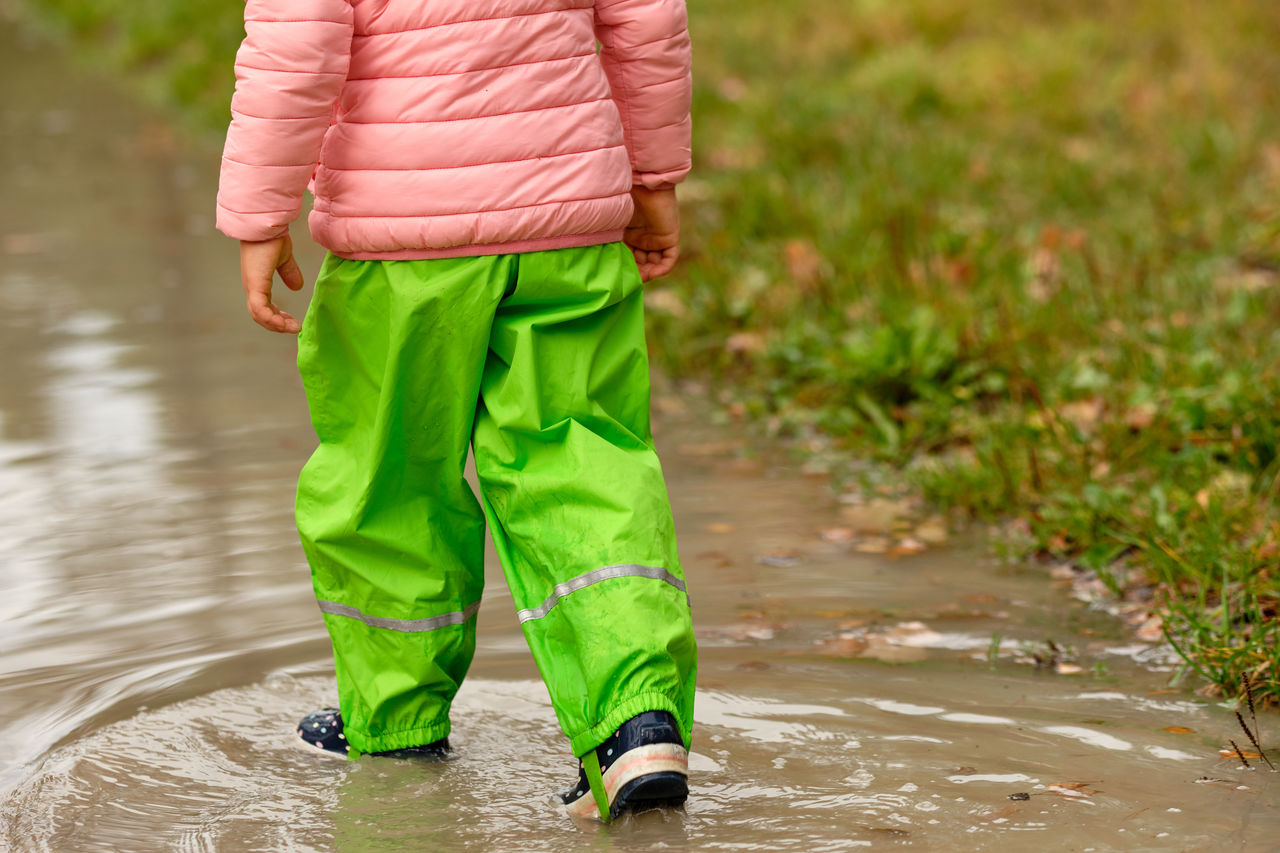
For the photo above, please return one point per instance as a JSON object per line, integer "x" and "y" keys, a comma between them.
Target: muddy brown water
{"x": 158, "y": 638}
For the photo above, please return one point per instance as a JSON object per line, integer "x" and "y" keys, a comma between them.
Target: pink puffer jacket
{"x": 446, "y": 128}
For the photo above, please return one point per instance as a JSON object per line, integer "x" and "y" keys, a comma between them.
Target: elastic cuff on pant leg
{"x": 584, "y": 741}
{"x": 407, "y": 739}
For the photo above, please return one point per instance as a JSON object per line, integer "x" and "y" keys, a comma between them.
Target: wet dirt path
{"x": 158, "y": 638}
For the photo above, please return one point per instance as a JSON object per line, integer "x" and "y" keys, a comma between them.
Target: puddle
{"x": 158, "y": 639}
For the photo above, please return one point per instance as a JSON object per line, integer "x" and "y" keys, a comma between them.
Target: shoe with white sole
{"x": 322, "y": 730}
{"x": 643, "y": 765}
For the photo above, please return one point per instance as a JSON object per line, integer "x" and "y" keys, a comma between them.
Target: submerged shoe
{"x": 323, "y": 730}
{"x": 643, "y": 766}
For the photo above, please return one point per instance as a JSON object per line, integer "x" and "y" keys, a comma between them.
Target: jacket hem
{"x": 567, "y": 241}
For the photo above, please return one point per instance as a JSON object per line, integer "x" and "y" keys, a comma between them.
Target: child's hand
{"x": 654, "y": 232}
{"x": 259, "y": 263}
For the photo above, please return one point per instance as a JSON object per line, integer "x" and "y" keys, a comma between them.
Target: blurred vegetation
{"x": 1025, "y": 254}
{"x": 178, "y": 53}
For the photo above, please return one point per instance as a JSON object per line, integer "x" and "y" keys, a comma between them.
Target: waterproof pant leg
{"x": 575, "y": 496}
{"x": 539, "y": 358}
{"x": 391, "y": 358}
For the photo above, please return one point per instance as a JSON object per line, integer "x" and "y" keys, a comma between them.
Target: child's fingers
{"x": 658, "y": 264}
{"x": 268, "y": 316}
{"x": 290, "y": 273}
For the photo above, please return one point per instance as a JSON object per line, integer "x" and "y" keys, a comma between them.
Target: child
{"x": 493, "y": 180}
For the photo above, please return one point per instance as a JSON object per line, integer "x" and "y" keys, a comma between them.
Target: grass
{"x": 1024, "y": 254}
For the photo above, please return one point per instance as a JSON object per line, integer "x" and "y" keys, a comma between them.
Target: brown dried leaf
{"x": 1140, "y": 417}
{"x": 1151, "y": 630}
{"x": 804, "y": 263}
{"x": 1179, "y": 730}
{"x": 932, "y": 531}
{"x": 907, "y": 547}
{"x": 1001, "y": 814}
{"x": 1231, "y": 753}
{"x": 1073, "y": 790}
{"x": 843, "y": 646}
{"x": 875, "y": 516}
{"x": 717, "y": 559}
{"x": 744, "y": 342}
{"x": 873, "y": 545}
{"x": 1083, "y": 414}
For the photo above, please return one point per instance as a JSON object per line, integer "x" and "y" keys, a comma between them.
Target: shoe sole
{"x": 654, "y": 791}
{"x": 424, "y": 756}
{"x": 312, "y": 749}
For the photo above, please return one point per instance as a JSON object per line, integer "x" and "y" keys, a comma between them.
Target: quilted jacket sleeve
{"x": 646, "y": 55}
{"x": 290, "y": 70}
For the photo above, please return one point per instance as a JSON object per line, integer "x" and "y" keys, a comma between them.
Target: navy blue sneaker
{"x": 323, "y": 731}
{"x": 644, "y": 766}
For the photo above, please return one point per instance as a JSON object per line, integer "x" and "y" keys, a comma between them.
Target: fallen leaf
{"x": 1076, "y": 790}
{"x": 1151, "y": 630}
{"x": 717, "y": 559}
{"x": 803, "y": 261}
{"x": 907, "y": 547}
{"x": 1083, "y": 414}
{"x": 932, "y": 531}
{"x": 843, "y": 646}
{"x": 1231, "y": 753}
{"x": 753, "y": 625}
{"x": 1179, "y": 730}
{"x": 1001, "y": 814}
{"x": 744, "y": 342}
{"x": 721, "y": 527}
{"x": 915, "y": 634}
{"x": 875, "y": 516}
{"x": 873, "y": 545}
{"x": 1268, "y": 551}
{"x": 1140, "y": 417}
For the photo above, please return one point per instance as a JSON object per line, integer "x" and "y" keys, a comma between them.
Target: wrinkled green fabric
{"x": 538, "y": 362}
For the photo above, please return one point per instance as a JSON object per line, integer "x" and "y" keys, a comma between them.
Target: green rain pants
{"x": 537, "y": 361}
